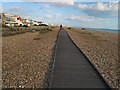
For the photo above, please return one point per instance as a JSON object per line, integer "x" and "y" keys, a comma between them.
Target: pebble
{"x": 22, "y": 51}
{"x": 101, "y": 54}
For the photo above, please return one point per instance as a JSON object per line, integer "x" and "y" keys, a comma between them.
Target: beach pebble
{"x": 26, "y": 59}
{"x": 101, "y": 51}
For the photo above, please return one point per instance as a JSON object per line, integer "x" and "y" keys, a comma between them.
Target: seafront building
{"x": 17, "y": 21}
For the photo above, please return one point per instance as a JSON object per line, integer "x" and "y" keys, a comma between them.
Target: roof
{"x": 11, "y": 22}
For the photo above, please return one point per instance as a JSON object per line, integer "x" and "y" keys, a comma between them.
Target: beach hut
{"x": 7, "y": 19}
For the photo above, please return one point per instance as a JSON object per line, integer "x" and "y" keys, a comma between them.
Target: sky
{"x": 77, "y": 13}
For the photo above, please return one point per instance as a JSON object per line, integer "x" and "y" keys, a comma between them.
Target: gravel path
{"x": 25, "y": 60}
{"x": 102, "y": 50}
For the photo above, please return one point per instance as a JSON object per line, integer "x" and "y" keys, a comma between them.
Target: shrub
{"x": 37, "y": 38}
{"x": 25, "y": 25}
{"x": 83, "y": 28}
{"x": 12, "y": 31}
{"x": 35, "y": 25}
{"x": 43, "y": 25}
{"x": 5, "y": 26}
{"x": 12, "y": 28}
{"x": 42, "y": 28}
{"x": 69, "y": 27}
{"x": 38, "y": 29}
{"x": 53, "y": 27}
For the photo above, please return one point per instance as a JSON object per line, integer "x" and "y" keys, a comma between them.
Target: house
{"x": 31, "y": 22}
{"x": 35, "y": 23}
{"x": 11, "y": 24}
{"x": 50, "y": 24}
{"x": 44, "y": 24}
{"x": 18, "y": 20}
{"x": 27, "y": 22}
{"x": 9, "y": 17}
{"x": 12, "y": 20}
{"x": 40, "y": 22}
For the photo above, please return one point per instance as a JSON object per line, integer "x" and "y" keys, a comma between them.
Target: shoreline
{"x": 101, "y": 30}
{"x": 114, "y": 32}
{"x": 88, "y": 29}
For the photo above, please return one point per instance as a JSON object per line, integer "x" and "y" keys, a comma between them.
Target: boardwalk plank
{"x": 72, "y": 70}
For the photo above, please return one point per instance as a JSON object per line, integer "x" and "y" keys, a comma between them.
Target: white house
{"x": 11, "y": 24}
{"x": 45, "y": 24}
{"x": 35, "y": 23}
{"x": 26, "y": 22}
{"x": 17, "y": 19}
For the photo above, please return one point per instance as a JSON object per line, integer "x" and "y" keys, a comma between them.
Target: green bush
{"x": 12, "y": 31}
{"x": 25, "y": 25}
{"x": 38, "y": 29}
{"x": 43, "y": 25}
{"x": 12, "y": 28}
{"x": 83, "y": 28}
{"x": 69, "y": 27}
{"x": 53, "y": 27}
{"x": 4, "y": 26}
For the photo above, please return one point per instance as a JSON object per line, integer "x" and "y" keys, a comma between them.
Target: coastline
{"x": 104, "y": 30}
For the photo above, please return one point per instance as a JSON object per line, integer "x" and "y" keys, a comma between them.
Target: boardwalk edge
{"x": 94, "y": 67}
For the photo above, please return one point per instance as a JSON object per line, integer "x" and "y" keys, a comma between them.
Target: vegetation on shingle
{"x": 43, "y": 25}
{"x": 25, "y": 25}
{"x": 83, "y": 28}
{"x": 9, "y": 31}
{"x": 12, "y": 31}
{"x": 69, "y": 27}
{"x": 5, "y": 26}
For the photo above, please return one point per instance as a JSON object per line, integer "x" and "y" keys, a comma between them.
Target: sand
{"x": 26, "y": 59}
{"x": 102, "y": 50}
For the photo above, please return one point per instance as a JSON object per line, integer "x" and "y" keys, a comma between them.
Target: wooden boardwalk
{"x": 71, "y": 68}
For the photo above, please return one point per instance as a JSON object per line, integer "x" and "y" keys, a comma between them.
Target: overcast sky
{"x": 71, "y": 12}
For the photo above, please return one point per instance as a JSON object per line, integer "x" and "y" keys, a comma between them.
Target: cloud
{"x": 60, "y": 1}
{"x": 100, "y": 9}
{"x": 100, "y": 6}
{"x": 91, "y": 22}
{"x": 1, "y": 10}
{"x": 52, "y": 16}
{"x": 54, "y": 2}
{"x": 46, "y": 6}
{"x": 83, "y": 18}
{"x": 57, "y": 0}
{"x": 67, "y": 3}
{"x": 15, "y": 9}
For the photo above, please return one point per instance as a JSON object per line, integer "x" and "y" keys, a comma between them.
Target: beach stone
{"x": 101, "y": 51}
{"x": 25, "y": 60}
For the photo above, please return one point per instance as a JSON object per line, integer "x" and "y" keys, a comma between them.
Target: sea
{"x": 105, "y": 30}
